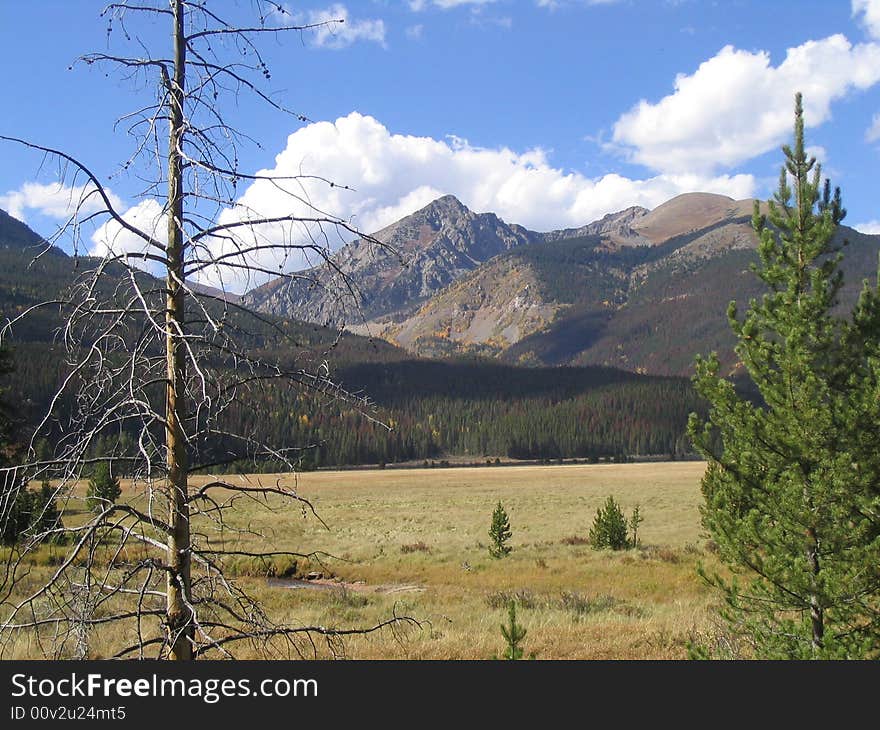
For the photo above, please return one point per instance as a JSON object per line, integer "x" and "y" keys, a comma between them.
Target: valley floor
{"x": 414, "y": 543}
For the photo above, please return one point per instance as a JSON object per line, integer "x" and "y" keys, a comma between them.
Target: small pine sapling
{"x": 610, "y": 528}
{"x": 103, "y": 488}
{"x": 634, "y": 521}
{"x": 513, "y": 634}
{"x": 499, "y": 533}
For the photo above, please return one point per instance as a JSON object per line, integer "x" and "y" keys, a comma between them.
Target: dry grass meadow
{"x": 414, "y": 542}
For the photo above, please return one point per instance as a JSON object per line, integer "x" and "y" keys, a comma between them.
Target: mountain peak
{"x": 446, "y": 206}
{"x": 422, "y": 253}
{"x": 688, "y": 212}
{"x": 442, "y": 210}
{"x": 447, "y": 200}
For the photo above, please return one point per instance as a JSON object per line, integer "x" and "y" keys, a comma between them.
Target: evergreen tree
{"x": 792, "y": 489}
{"x": 6, "y": 419}
{"x": 29, "y": 514}
{"x": 500, "y": 533}
{"x": 513, "y": 634}
{"x": 45, "y": 514}
{"x": 103, "y": 488}
{"x": 610, "y": 527}
{"x": 18, "y": 509}
{"x": 634, "y": 522}
{"x": 15, "y": 499}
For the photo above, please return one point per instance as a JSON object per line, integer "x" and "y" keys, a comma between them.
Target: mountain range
{"x": 469, "y": 408}
{"x": 639, "y": 290}
{"x": 487, "y": 339}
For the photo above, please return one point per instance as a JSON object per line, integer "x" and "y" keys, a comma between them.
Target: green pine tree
{"x": 792, "y": 488}
{"x": 17, "y": 511}
{"x": 634, "y": 522}
{"x": 500, "y": 533}
{"x": 103, "y": 489}
{"x": 513, "y": 634}
{"x": 610, "y": 527}
{"x": 46, "y": 515}
{"x": 6, "y": 410}
{"x": 30, "y": 514}
{"x": 16, "y": 501}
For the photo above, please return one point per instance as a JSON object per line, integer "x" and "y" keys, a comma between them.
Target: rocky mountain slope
{"x": 422, "y": 253}
{"x": 643, "y": 290}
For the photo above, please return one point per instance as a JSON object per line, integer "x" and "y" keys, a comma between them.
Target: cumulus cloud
{"x": 736, "y": 105}
{"x": 394, "y": 175}
{"x": 869, "y": 12}
{"x": 334, "y": 27}
{"x": 385, "y": 168}
{"x": 55, "y": 200}
{"x": 391, "y": 176}
{"x": 113, "y": 239}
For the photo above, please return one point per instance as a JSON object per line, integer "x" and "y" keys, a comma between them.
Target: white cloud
{"x": 819, "y": 152}
{"x": 873, "y": 132}
{"x": 395, "y": 175}
{"x": 113, "y": 239}
{"x": 871, "y": 227}
{"x": 870, "y": 12}
{"x": 415, "y": 32}
{"x": 484, "y": 20}
{"x": 555, "y": 4}
{"x": 55, "y": 200}
{"x": 419, "y": 5}
{"x": 736, "y": 106}
{"x": 335, "y": 29}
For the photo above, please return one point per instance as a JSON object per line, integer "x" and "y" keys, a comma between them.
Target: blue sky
{"x": 550, "y": 114}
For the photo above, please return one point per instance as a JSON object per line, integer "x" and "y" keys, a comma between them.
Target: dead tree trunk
{"x": 179, "y": 602}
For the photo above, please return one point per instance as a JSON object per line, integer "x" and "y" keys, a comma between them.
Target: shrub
{"x": 415, "y": 547}
{"x": 610, "y": 528}
{"x": 580, "y": 605}
{"x": 634, "y": 521}
{"x": 575, "y": 540}
{"x": 523, "y": 597}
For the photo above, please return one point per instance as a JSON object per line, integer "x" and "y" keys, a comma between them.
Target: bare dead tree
{"x": 154, "y": 357}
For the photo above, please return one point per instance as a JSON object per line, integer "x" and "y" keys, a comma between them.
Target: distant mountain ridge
{"x": 424, "y": 252}
{"x": 638, "y": 289}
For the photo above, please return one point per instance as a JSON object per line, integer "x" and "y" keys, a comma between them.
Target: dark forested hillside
{"x": 422, "y": 409}
{"x": 17, "y": 235}
{"x": 477, "y": 409}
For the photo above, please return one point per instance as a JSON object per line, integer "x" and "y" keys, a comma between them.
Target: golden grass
{"x": 414, "y": 542}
